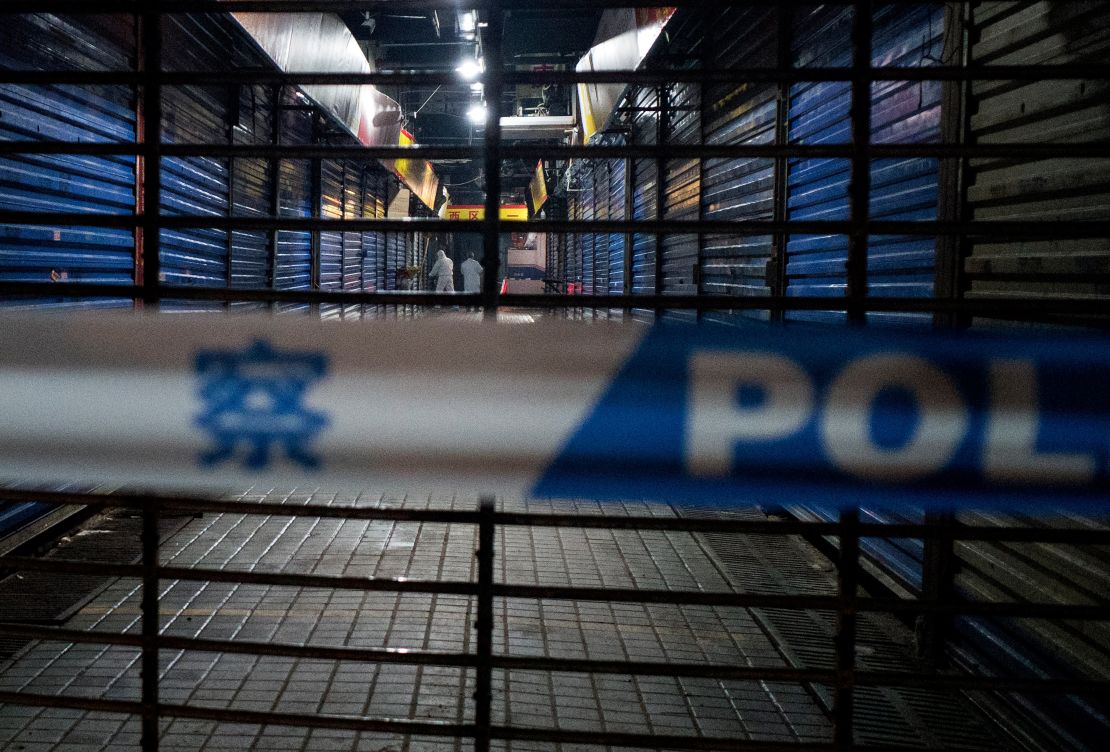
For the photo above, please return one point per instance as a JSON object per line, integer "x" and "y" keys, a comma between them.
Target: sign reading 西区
{"x": 677, "y": 413}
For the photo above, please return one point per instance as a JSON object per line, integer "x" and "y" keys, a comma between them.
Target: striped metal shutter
{"x": 574, "y": 244}
{"x": 67, "y": 183}
{"x": 644, "y": 172}
{"x": 373, "y": 243}
{"x": 602, "y": 212}
{"x": 587, "y": 203}
{"x": 252, "y": 192}
{"x": 353, "y": 177}
{"x": 293, "y": 261}
{"x": 683, "y": 183}
{"x": 818, "y": 188}
{"x": 196, "y": 186}
{"x": 903, "y": 189}
{"x": 331, "y": 241}
{"x": 1071, "y": 190}
{"x": 617, "y": 175}
{"x": 736, "y": 190}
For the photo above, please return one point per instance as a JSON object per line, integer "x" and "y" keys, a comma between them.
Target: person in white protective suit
{"x": 443, "y": 272}
{"x": 471, "y": 274}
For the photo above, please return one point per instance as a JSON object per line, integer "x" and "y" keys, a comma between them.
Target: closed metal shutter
{"x": 602, "y": 212}
{"x": 196, "y": 186}
{"x": 67, "y": 183}
{"x": 617, "y": 173}
{"x": 1064, "y": 190}
{"x": 293, "y": 261}
{"x": 645, "y": 127}
{"x": 331, "y": 242}
{"x": 683, "y": 197}
{"x": 587, "y": 206}
{"x": 352, "y": 241}
{"x": 252, "y": 192}
{"x": 818, "y": 188}
{"x": 373, "y": 243}
{"x": 574, "y": 244}
{"x": 903, "y": 189}
{"x": 740, "y": 189}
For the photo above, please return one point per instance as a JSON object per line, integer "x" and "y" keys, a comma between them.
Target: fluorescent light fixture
{"x": 468, "y": 22}
{"x": 477, "y": 114}
{"x": 470, "y": 69}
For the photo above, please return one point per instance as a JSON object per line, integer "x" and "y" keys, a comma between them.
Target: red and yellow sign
{"x": 511, "y": 212}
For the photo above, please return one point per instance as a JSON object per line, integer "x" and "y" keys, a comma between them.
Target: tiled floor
{"x": 545, "y": 556}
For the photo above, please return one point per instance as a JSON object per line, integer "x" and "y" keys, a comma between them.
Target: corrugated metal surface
{"x": 617, "y": 174}
{"x": 67, "y": 183}
{"x": 197, "y": 186}
{"x": 293, "y": 260}
{"x": 373, "y": 243}
{"x": 1039, "y": 33}
{"x": 818, "y": 188}
{"x": 353, "y": 189}
{"x": 331, "y": 242}
{"x": 253, "y": 192}
{"x": 602, "y": 211}
{"x": 902, "y": 112}
{"x": 587, "y": 204}
{"x": 645, "y": 130}
{"x": 740, "y": 189}
{"x": 683, "y": 182}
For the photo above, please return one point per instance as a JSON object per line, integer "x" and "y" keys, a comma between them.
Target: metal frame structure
{"x": 846, "y": 604}
{"x": 148, "y": 81}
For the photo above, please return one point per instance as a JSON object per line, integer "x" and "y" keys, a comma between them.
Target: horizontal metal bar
{"x": 121, "y": 707}
{"x": 994, "y": 307}
{"x": 652, "y": 77}
{"x": 1002, "y": 533}
{"x": 659, "y": 668}
{"x": 345, "y": 723}
{"x": 655, "y": 741}
{"x": 981, "y": 683}
{"x": 580, "y": 152}
{"x": 394, "y": 6}
{"x": 677, "y": 597}
{"x": 982, "y": 608}
{"x": 978, "y": 228}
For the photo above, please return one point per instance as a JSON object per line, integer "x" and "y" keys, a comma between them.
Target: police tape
{"x": 679, "y": 413}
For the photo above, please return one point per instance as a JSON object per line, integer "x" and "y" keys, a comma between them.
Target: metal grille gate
{"x": 845, "y": 189}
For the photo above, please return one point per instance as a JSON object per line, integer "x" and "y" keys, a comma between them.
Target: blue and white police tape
{"x": 674, "y": 412}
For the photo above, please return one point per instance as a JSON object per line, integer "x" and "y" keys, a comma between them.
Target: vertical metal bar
{"x": 951, "y": 206}
{"x": 707, "y": 60}
{"x": 629, "y": 209}
{"x": 776, "y": 278}
{"x": 937, "y": 584}
{"x": 491, "y": 230}
{"x": 662, "y": 126}
{"x": 483, "y": 692}
{"x": 151, "y": 57}
{"x": 150, "y": 627}
{"x": 317, "y": 190}
{"x": 276, "y": 120}
{"x": 860, "y": 187}
{"x": 845, "y": 640}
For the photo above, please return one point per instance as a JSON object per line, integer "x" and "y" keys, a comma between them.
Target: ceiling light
{"x": 477, "y": 87}
{"x": 470, "y": 69}
{"x": 477, "y": 114}
{"x": 468, "y": 22}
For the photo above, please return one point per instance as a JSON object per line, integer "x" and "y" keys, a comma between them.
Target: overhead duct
{"x": 322, "y": 43}
{"x": 536, "y": 127}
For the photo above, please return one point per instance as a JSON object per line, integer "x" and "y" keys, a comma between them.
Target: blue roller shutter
{"x": 252, "y": 191}
{"x": 293, "y": 263}
{"x": 67, "y": 183}
{"x": 905, "y": 189}
{"x": 739, "y": 190}
{"x": 683, "y": 193}
{"x": 587, "y": 204}
{"x": 617, "y": 174}
{"x": 352, "y": 241}
{"x": 574, "y": 243}
{"x": 373, "y": 243}
{"x": 644, "y": 172}
{"x": 602, "y": 212}
{"x": 331, "y": 241}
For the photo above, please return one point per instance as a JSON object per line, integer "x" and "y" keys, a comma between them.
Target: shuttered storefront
{"x": 682, "y": 126}
{"x": 738, "y": 190}
{"x": 293, "y": 259}
{"x": 903, "y": 189}
{"x": 67, "y": 183}
{"x": 1065, "y": 111}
